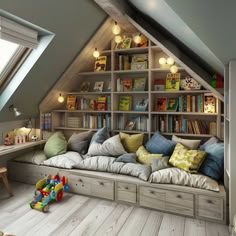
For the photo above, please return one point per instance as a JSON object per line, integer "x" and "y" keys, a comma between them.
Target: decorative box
{"x": 189, "y": 83}
{"x": 74, "y": 122}
{"x": 139, "y": 65}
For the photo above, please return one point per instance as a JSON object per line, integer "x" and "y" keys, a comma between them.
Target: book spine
{"x": 188, "y": 103}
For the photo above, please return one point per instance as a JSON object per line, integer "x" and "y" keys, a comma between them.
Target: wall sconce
{"x": 118, "y": 39}
{"x": 174, "y": 69}
{"x": 15, "y": 110}
{"x": 60, "y": 98}
{"x": 116, "y": 29}
{"x": 169, "y": 63}
{"x": 137, "y": 38}
{"x": 96, "y": 53}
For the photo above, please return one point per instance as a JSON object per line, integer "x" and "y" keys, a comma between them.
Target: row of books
{"x": 46, "y": 121}
{"x": 187, "y": 103}
{"x": 85, "y": 86}
{"x": 102, "y": 103}
{"x": 129, "y": 84}
{"x": 137, "y": 123}
{"x": 125, "y": 104}
{"x": 96, "y": 121}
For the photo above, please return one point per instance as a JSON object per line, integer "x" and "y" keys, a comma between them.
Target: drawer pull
{"x": 101, "y": 183}
{"x": 209, "y": 201}
{"x": 80, "y": 180}
{"x": 126, "y": 187}
{"x": 179, "y": 196}
{"x": 152, "y": 192}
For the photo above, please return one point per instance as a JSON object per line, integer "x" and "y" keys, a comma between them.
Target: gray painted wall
{"x": 73, "y": 22}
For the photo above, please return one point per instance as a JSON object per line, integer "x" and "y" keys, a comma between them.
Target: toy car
{"x": 48, "y": 189}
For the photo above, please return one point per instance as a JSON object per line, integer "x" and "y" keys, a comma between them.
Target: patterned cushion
{"x": 131, "y": 142}
{"x": 189, "y": 143}
{"x": 159, "y": 144}
{"x": 188, "y": 160}
{"x": 144, "y": 157}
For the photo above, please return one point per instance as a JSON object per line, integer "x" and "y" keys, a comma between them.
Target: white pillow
{"x": 189, "y": 143}
{"x": 66, "y": 160}
{"x": 111, "y": 147}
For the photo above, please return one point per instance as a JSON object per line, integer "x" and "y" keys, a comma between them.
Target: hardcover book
{"x": 125, "y": 103}
{"x": 100, "y": 63}
{"x": 172, "y": 104}
{"x": 209, "y": 103}
{"x": 139, "y": 84}
{"x": 159, "y": 84}
{"x": 141, "y": 105}
{"x": 98, "y": 86}
{"x": 127, "y": 84}
{"x": 101, "y": 103}
{"x": 84, "y": 87}
{"x": 125, "y": 43}
{"x": 71, "y": 102}
{"x": 161, "y": 104}
{"x": 172, "y": 81}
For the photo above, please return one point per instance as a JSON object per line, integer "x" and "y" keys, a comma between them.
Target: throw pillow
{"x": 189, "y": 143}
{"x": 159, "y": 163}
{"x": 55, "y": 145}
{"x": 131, "y": 142}
{"x": 213, "y": 165}
{"x": 101, "y": 135}
{"x": 79, "y": 142}
{"x": 144, "y": 157}
{"x": 34, "y": 157}
{"x": 159, "y": 144}
{"x": 212, "y": 140}
{"x": 188, "y": 160}
{"x": 111, "y": 147}
{"x": 127, "y": 158}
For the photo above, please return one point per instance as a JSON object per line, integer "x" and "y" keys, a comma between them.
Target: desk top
{"x": 14, "y": 148}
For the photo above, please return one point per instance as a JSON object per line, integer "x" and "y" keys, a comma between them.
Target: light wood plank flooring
{"x": 80, "y": 216}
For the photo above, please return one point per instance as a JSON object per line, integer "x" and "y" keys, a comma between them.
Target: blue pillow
{"x": 127, "y": 158}
{"x": 161, "y": 145}
{"x": 213, "y": 165}
{"x": 101, "y": 135}
{"x": 210, "y": 141}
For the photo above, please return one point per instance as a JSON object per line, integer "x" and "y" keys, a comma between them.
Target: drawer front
{"x": 91, "y": 186}
{"x": 181, "y": 203}
{"x": 210, "y": 207}
{"x": 126, "y": 192}
{"x": 151, "y": 197}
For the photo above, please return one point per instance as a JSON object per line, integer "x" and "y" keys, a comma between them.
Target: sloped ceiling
{"x": 205, "y": 27}
{"x": 73, "y": 22}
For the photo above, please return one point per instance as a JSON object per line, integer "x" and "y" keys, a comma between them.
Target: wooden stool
{"x": 3, "y": 175}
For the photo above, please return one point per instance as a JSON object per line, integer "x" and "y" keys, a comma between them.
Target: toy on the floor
{"x": 48, "y": 189}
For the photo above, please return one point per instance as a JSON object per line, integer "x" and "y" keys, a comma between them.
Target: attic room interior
{"x": 116, "y": 118}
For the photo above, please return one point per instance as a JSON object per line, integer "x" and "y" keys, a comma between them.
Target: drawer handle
{"x": 152, "y": 192}
{"x": 80, "y": 180}
{"x": 209, "y": 201}
{"x": 101, "y": 183}
{"x": 179, "y": 196}
{"x": 126, "y": 187}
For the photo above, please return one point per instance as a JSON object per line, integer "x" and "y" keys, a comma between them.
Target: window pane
{"x": 7, "y": 50}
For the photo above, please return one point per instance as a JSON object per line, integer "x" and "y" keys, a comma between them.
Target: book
{"x": 100, "y": 63}
{"x": 101, "y": 103}
{"x": 98, "y": 86}
{"x": 159, "y": 84}
{"x": 141, "y": 105}
{"x": 127, "y": 84}
{"x": 172, "y": 81}
{"x": 139, "y": 58}
{"x": 143, "y": 42}
{"x": 109, "y": 87}
{"x": 125, "y": 43}
{"x": 125, "y": 103}
{"x": 92, "y": 104}
{"x": 131, "y": 124}
{"x": 139, "y": 84}
{"x": 84, "y": 86}
{"x": 71, "y": 102}
{"x": 209, "y": 103}
{"x": 172, "y": 104}
{"x": 161, "y": 104}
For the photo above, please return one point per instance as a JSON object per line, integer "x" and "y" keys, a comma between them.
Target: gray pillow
{"x": 79, "y": 142}
{"x": 127, "y": 158}
{"x": 212, "y": 140}
{"x": 159, "y": 163}
{"x": 101, "y": 135}
{"x": 34, "y": 157}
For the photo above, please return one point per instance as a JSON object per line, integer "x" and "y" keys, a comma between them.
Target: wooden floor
{"x": 80, "y": 215}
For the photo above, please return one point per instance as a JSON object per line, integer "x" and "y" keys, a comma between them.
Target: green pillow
{"x": 144, "y": 157}
{"x": 131, "y": 142}
{"x": 188, "y": 160}
{"x": 55, "y": 145}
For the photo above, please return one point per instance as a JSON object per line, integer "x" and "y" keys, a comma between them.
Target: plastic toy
{"x": 48, "y": 189}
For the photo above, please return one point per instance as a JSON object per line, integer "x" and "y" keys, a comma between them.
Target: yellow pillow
{"x": 188, "y": 160}
{"x": 144, "y": 157}
{"x": 132, "y": 142}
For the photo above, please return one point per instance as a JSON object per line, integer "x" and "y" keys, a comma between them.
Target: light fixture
{"x": 118, "y": 39}
{"x": 137, "y": 38}
{"x": 162, "y": 61}
{"x": 60, "y": 98}
{"x": 116, "y": 29}
{"x": 170, "y": 61}
{"x": 96, "y": 53}
{"x": 15, "y": 110}
{"x": 173, "y": 69}
{"x": 29, "y": 126}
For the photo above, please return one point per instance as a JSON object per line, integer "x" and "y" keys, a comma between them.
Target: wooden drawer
{"x": 210, "y": 207}
{"x": 126, "y": 192}
{"x": 92, "y": 187}
{"x": 151, "y": 197}
{"x": 181, "y": 203}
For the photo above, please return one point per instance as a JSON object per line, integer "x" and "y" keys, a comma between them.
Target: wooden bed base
{"x": 181, "y": 200}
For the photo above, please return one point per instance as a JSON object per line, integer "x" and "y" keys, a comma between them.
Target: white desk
{"x": 14, "y": 148}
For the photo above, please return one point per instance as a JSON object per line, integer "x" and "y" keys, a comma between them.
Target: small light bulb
{"x": 96, "y": 53}
{"x": 118, "y": 39}
{"x": 115, "y": 29}
{"x": 162, "y": 61}
{"x": 60, "y": 98}
{"x": 137, "y": 39}
{"x": 173, "y": 69}
{"x": 170, "y": 61}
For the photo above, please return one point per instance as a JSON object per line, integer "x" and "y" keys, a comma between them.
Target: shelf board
{"x": 105, "y": 52}
{"x": 164, "y": 69}
{"x": 88, "y": 93}
{"x": 131, "y": 112}
{"x": 132, "y": 50}
{"x": 188, "y": 135}
{"x": 92, "y": 73}
{"x": 180, "y": 91}
{"x": 131, "y": 92}
{"x": 81, "y": 111}
{"x": 130, "y": 71}
{"x": 131, "y": 131}
{"x": 69, "y": 128}
{"x": 184, "y": 113}
{"x": 156, "y": 48}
